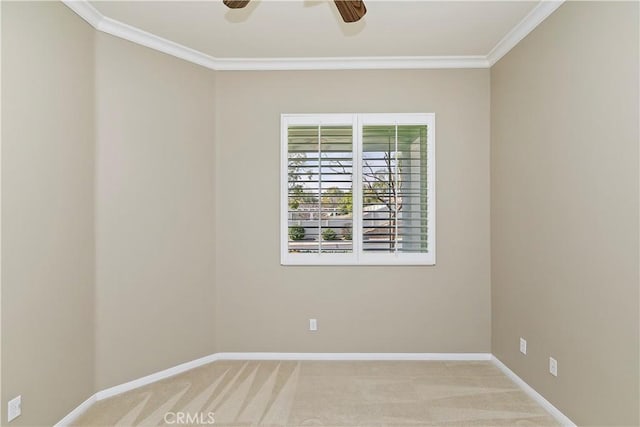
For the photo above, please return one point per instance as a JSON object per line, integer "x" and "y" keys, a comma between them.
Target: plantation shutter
{"x": 394, "y": 188}
{"x": 320, "y": 189}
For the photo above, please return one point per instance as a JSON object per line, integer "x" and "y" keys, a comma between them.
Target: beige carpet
{"x": 310, "y": 393}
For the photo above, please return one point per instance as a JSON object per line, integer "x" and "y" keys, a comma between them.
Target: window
{"x": 358, "y": 189}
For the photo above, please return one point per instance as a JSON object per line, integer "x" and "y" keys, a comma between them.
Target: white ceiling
{"x": 313, "y": 28}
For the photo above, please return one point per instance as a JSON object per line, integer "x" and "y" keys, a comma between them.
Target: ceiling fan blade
{"x": 236, "y": 4}
{"x": 351, "y": 10}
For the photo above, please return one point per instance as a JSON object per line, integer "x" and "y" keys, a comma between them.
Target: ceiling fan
{"x": 350, "y": 10}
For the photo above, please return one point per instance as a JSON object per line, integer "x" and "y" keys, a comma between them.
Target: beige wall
{"x": 564, "y": 162}
{"x": 155, "y": 211}
{"x": 47, "y": 210}
{"x": 262, "y": 306}
{"x": 563, "y": 192}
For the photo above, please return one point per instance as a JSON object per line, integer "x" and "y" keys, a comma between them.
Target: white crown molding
{"x": 351, "y": 63}
{"x": 86, "y": 11}
{"x": 522, "y": 29}
{"x": 127, "y": 32}
{"x": 138, "y": 36}
{"x": 119, "y": 29}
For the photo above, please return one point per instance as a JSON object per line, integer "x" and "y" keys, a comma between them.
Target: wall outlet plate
{"x": 14, "y": 408}
{"x": 553, "y": 366}
{"x": 523, "y": 346}
{"x": 313, "y": 324}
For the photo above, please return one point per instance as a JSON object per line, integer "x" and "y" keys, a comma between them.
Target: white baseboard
{"x": 157, "y": 376}
{"x": 555, "y": 412}
{"x": 73, "y": 415}
{"x": 354, "y": 356}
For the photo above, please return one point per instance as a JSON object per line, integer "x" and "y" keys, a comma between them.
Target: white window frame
{"x": 357, "y": 256}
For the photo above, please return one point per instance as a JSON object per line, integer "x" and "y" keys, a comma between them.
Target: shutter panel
{"x": 320, "y": 187}
{"x": 394, "y": 188}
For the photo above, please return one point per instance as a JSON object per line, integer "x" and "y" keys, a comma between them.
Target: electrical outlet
{"x": 523, "y": 346}
{"x": 553, "y": 366}
{"x": 313, "y": 324}
{"x": 14, "y": 408}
